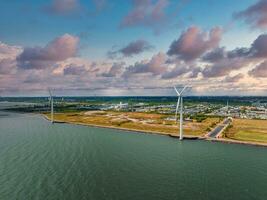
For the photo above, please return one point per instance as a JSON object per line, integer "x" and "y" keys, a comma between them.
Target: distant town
{"x": 236, "y": 107}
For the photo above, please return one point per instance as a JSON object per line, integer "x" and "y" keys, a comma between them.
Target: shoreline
{"x": 187, "y": 137}
{"x": 232, "y": 141}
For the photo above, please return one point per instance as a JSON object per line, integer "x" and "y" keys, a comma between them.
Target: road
{"x": 214, "y": 133}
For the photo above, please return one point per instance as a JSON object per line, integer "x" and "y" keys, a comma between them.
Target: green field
{"x": 248, "y": 130}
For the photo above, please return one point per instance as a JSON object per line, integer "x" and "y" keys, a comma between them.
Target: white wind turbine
{"x": 180, "y": 104}
{"x": 51, "y": 99}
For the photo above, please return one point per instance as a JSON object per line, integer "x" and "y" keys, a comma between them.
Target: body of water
{"x": 40, "y": 160}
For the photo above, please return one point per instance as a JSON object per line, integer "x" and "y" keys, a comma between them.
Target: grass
{"x": 147, "y": 122}
{"x": 248, "y": 130}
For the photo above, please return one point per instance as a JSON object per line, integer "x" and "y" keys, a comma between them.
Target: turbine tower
{"x": 180, "y": 104}
{"x": 227, "y": 108}
{"x": 52, "y": 105}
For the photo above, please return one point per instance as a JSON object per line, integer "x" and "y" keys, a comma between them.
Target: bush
{"x": 208, "y": 129}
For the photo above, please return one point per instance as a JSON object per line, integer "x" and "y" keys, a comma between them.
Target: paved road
{"x": 216, "y": 131}
{"x": 226, "y": 121}
{"x": 219, "y": 127}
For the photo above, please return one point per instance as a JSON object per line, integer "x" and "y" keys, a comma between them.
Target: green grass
{"x": 248, "y": 130}
{"x": 251, "y": 136}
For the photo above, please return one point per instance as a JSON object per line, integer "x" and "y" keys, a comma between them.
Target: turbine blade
{"x": 176, "y": 91}
{"x": 177, "y": 107}
{"x": 50, "y": 93}
{"x": 183, "y": 89}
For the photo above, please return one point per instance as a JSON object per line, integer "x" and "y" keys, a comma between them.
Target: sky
{"x": 133, "y": 47}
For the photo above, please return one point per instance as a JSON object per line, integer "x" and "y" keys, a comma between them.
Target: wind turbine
{"x": 180, "y": 104}
{"x": 51, "y": 99}
{"x": 227, "y": 108}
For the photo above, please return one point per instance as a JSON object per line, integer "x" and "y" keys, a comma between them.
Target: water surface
{"x": 39, "y": 160}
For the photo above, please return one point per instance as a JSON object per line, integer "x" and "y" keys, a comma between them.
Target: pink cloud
{"x": 61, "y": 48}
{"x": 255, "y": 15}
{"x": 259, "y": 46}
{"x": 260, "y": 71}
{"x": 115, "y": 70}
{"x": 133, "y": 48}
{"x": 7, "y": 65}
{"x": 74, "y": 70}
{"x": 156, "y": 66}
{"x": 194, "y": 42}
{"x": 8, "y": 54}
{"x": 232, "y": 79}
{"x": 146, "y": 13}
{"x": 63, "y": 7}
{"x": 223, "y": 62}
{"x": 224, "y": 67}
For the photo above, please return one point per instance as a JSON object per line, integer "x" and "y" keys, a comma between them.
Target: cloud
{"x": 7, "y": 65}
{"x": 74, "y": 7}
{"x": 223, "y": 62}
{"x": 232, "y": 79}
{"x": 224, "y": 67}
{"x": 239, "y": 52}
{"x": 61, "y": 48}
{"x": 63, "y": 7}
{"x": 176, "y": 67}
{"x": 255, "y": 15}
{"x": 156, "y": 66}
{"x": 258, "y": 49}
{"x": 213, "y": 68}
{"x": 133, "y": 48}
{"x": 259, "y": 46}
{"x": 260, "y": 71}
{"x": 205, "y": 56}
{"x": 147, "y": 13}
{"x": 115, "y": 70}
{"x": 194, "y": 72}
{"x": 177, "y": 71}
{"x": 194, "y": 42}
{"x": 8, "y": 54}
{"x": 73, "y": 69}
{"x": 80, "y": 67}
{"x": 215, "y": 55}
{"x": 8, "y": 50}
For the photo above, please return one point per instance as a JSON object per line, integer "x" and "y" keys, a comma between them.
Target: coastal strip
{"x": 188, "y": 137}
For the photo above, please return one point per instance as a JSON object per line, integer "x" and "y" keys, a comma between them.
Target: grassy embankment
{"x": 147, "y": 122}
{"x": 248, "y": 130}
